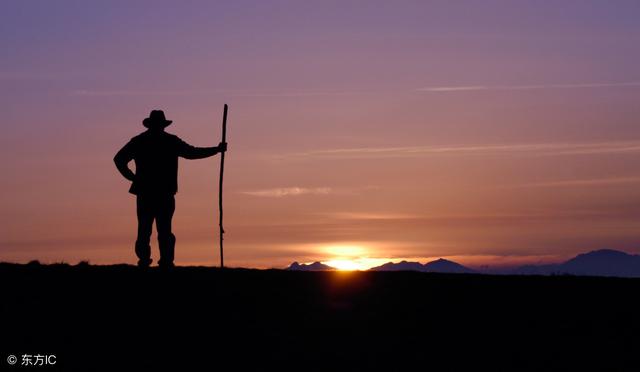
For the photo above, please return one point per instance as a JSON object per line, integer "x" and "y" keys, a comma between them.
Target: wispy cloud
{"x": 231, "y": 93}
{"x": 584, "y": 182}
{"x": 288, "y": 191}
{"x": 296, "y": 93}
{"x": 160, "y": 92}
{"x": 462, "y": 218}
{"x": 439, "y": 89}
{"x": 25, "y": 77}
{"x": 371, "y": 216}
{"x": 535, "y": 149}
{"x": 452, "y": 88}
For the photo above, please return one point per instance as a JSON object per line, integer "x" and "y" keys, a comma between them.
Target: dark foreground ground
{"x": 119, "y": 318}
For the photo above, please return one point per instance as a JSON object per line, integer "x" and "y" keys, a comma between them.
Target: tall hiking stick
{"x": 224, "y": 140}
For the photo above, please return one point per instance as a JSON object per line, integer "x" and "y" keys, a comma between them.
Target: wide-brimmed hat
{"x": 156, "y": 119}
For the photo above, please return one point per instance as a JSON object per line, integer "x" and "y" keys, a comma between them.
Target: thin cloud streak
{"x": 524, "y": 215}
{"x": 527, "y": 87}
{"x": 371, "y": 216}
{"x": 130, "y": 93}
{"x": 585, "y": 182}
{"x": 288, "y": 191}
{"x": 9, "y": 76}
{"x": 539, "y": 149}
{"x": 297, "y": 94}
{"x": 282, "y": 94}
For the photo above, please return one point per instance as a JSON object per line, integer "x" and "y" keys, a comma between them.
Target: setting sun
{"x": 346, "y": 265}
{"x": 350, "y": 257}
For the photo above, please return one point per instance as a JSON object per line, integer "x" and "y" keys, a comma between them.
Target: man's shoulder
{"x": 140, "y": 136}
{"x": 172, "y": 136}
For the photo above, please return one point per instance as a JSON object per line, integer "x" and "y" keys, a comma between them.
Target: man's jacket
{"x": 156, "y": 155}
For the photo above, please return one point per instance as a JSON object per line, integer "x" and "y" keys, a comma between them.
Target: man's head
{"x": 156, "y": 120}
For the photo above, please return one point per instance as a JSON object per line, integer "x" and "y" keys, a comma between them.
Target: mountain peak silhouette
{"x": 400, "y": 266}
{"x": 602, "y": 262}
{"x": 445, "y": 266}
{"x": 605, "y": 253}
{"x": 438, "y": 266}
{"x": 316, "y": 266}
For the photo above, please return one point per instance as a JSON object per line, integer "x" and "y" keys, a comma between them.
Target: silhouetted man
{"x": 155, "y": 182}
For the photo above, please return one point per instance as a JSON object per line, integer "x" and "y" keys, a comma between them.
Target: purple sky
{"x": 490, "y": 132}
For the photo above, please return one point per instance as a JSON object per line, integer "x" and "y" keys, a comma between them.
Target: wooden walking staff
{"x": 224, "y": 140}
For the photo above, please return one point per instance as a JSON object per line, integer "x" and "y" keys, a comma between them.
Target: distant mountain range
{"x": 316, "y": 266}
{"x": 438, "y": 266}
{"x": 604, "y": 262}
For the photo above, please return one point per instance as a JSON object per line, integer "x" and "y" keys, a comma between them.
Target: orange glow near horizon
{"x": 352, "y": 257}
{"x": 345, "y": 265}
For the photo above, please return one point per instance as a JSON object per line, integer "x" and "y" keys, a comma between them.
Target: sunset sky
{"x": 487, "y": 132}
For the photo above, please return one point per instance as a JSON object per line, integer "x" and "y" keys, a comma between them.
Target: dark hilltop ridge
{"x": 603, "y": 262}
{"x": 123, "y": 318}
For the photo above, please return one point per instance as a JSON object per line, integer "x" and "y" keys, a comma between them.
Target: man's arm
{"x": 191, "y": 152}
{"x": 122, "y": 159}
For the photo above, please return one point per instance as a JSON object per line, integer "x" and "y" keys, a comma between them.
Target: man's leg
{"x": 144, "y": 209}
{"x": 166, "y": 239}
